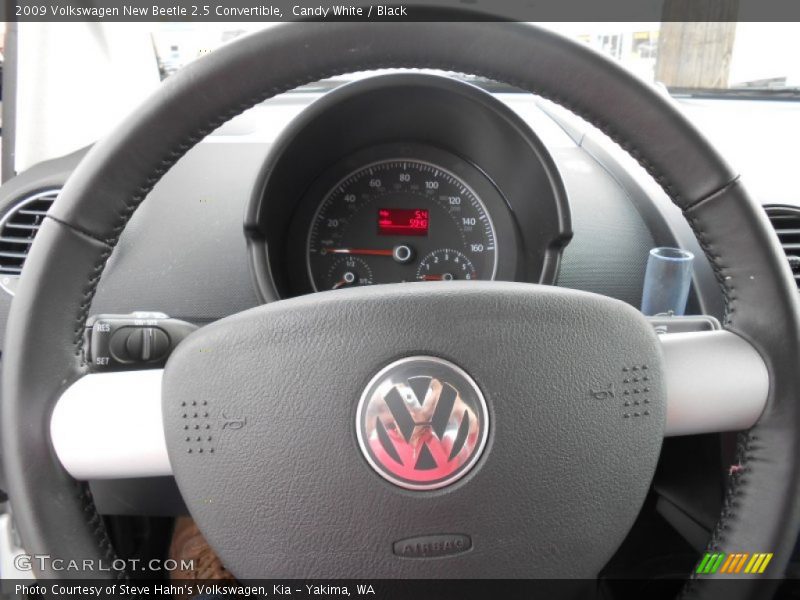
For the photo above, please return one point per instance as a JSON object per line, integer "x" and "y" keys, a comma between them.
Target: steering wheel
{"x": 570, "y": 394}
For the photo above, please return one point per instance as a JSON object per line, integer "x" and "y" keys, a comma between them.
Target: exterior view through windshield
{"x": 709, "y": 57}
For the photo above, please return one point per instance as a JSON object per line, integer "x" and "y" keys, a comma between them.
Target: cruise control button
{"x": 147, "y": 344}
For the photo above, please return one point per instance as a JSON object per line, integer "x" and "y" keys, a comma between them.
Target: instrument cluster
{"x": 402, "y": 178}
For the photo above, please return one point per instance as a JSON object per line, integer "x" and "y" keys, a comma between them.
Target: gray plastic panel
{"x": 183, "y": 252}
{"x": 608, "y": 252}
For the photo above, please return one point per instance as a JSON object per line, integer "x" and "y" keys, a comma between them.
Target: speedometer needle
{"x": 362, "y": 251}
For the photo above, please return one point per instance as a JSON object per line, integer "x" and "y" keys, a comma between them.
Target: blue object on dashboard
{"x": 667, "y": 281}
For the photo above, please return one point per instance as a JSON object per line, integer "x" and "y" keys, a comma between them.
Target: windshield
{"x": 711, "y": 58}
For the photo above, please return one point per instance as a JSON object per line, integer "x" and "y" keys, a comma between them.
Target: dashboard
{"x": 563, "y": 205}
{"x": 255, "y": 213}
{"x": 472, "y": 184}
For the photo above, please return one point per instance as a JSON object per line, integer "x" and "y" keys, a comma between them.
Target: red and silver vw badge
{"x": 422, "y": 423}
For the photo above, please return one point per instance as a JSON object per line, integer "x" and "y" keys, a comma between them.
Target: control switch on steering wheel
{"x": 140, "y": 340}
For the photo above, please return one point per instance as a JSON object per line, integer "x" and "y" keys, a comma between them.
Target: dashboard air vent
{"x": 17, "y": 229}
{"x": 786, "y": 221}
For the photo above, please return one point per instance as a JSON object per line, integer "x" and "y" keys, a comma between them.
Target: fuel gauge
{"x": 348, "y": 271}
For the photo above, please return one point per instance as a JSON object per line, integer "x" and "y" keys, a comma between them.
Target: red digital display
{"x": 402, "y": 221}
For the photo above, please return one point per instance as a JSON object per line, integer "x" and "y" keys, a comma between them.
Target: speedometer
{"x": 400, "y": 219}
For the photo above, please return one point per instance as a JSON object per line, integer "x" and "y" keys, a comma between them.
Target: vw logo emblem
{"x": 422, "y": 423}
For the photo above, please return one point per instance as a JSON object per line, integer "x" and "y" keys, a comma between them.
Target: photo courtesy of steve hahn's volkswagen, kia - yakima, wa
{"x": 438, "y": 299}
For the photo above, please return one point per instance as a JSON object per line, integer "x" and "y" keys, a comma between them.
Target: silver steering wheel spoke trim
{"x": 109, "y": 425}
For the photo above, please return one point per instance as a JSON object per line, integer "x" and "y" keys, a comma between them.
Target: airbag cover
{"x": 260, "y": 418}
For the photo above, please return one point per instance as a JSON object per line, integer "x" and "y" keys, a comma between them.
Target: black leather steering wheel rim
{"x": 55, "y": 515}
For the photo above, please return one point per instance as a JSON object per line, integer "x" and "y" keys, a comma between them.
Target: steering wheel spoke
{"x": 716, "y": 381}
{"x": 109, "y": 426}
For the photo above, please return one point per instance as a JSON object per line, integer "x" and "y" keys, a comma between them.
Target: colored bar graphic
{"x": 767, "y": 558}
{"x": 727, "y": 566}
{"x": 701, "y": 568}
{"x": 711, "y": 563}
{"x": 741, "y": 562}
{"x": 734, "y": 563}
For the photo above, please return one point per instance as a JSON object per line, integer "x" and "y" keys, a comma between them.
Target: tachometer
{"x": 445, "y": 265}
{"x": 404, "y": 219}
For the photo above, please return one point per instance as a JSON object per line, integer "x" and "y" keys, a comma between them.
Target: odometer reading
{"x": 404, "y": 220}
